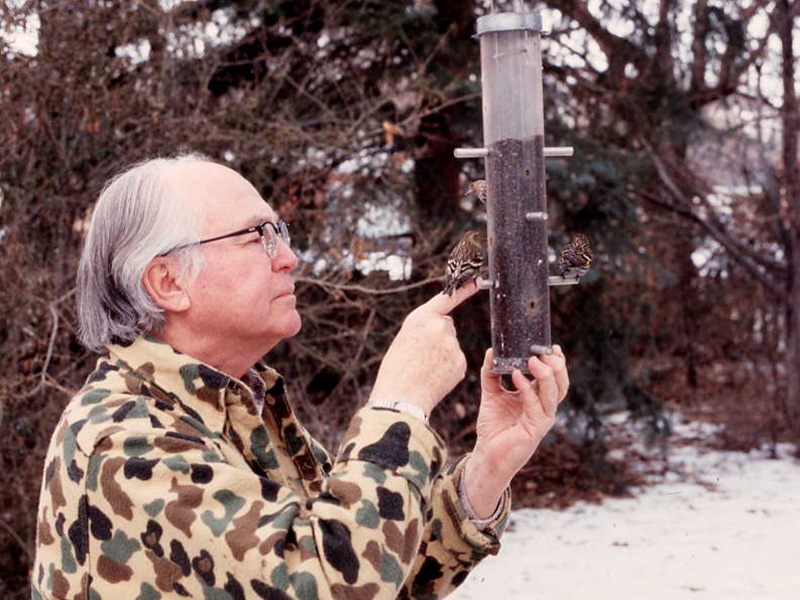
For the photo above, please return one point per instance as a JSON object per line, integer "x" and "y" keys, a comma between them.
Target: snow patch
{"x": 718, "y": 525}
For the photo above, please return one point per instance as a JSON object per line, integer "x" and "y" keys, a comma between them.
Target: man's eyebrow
{"x": 256, "y": 220}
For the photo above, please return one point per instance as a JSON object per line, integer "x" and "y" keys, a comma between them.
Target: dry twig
{"x": 345, "y": 287}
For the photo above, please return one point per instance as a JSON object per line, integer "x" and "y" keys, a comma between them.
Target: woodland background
{"x": 344, "y": 114}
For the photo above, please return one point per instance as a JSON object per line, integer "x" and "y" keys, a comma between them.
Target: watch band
{"x": 409, "y": 408}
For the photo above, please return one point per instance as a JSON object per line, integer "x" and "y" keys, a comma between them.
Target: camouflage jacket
{"x": 164, "y": 480}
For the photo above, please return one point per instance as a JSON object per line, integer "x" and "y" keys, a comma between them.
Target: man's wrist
{"x": 480, "y": 522}
{"x": 402, "y": 406}
{"x": 481, "y": 488}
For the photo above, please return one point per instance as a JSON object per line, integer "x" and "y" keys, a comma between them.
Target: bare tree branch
{"x": 612, "y": 45}
{"x": 723, "y": 239}
{"x": 698, "y": 82}
{"x": 20, "y": 542}
{"x": 663, "y": 58}
{"x": 700, "y": 190}
{"x": 684, "y": 207}
{"x": 344, "y": 287}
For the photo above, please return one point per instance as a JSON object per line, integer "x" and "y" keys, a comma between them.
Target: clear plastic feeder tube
{"x": 513, "y": 131}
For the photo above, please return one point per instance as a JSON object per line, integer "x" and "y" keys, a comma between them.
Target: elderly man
{"x": 180, "y": 470}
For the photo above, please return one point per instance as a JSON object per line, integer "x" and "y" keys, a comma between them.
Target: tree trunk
{"x": 689, "y": 302}
{"x": 436, "y": 171}
{"x": 785, "y": 15}
{"x": 436, "y": 174}
{"x": 793, "y": 343}
{"x": 687, "y": 274}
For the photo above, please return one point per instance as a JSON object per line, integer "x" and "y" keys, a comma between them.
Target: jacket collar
{"x": 204, "y": 392}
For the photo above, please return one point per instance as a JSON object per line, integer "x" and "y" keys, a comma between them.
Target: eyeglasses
{"x": 268, "y": 231}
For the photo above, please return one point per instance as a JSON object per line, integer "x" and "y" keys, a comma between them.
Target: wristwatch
{"x": 414, "y": 410}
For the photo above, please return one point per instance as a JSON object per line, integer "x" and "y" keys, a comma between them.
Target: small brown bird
{"x": 576, "y": 257}
{"x": 478, "y": 189}
{"x": 465, "y": 261}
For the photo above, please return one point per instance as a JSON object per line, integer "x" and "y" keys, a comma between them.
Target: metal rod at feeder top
{"x": 513, "y": 134}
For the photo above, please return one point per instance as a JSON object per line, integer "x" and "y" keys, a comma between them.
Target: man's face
{"x": 241, "y": 296}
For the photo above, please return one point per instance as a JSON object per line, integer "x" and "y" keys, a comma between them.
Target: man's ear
{"x": 166, "y": 285}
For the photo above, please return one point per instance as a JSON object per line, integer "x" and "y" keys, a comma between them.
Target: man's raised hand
{"x": 424, "y": 362}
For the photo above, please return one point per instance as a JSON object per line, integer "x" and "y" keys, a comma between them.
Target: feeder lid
{"x": 507, "y": 21}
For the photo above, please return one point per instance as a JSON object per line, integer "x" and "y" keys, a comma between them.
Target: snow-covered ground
{"x": 715, "y": 525}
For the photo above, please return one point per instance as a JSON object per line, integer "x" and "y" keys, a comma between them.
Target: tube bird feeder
{"x": 516, "y": 199}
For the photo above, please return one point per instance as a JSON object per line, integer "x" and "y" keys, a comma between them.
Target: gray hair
{"x": 140, "y": 214}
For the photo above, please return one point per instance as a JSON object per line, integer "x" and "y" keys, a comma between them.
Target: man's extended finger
{"x": 559, "y": 365}
{"x": 442, "y": 304}
{"x": 548, "y": 389}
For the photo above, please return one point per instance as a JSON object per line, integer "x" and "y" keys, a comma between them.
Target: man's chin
{"x": 288, "y": 327}
{"x": 295, "y": 328}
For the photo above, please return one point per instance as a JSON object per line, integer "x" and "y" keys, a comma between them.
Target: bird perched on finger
{"x": 465, "y": 261}
{"x": 576, "y": 257}
{"x": 478, "y": 189}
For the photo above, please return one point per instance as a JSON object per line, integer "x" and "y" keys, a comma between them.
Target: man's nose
{"x": 284, "y": 258}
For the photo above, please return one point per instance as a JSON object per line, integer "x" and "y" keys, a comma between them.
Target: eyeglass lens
{"x": 269, "y": 236}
